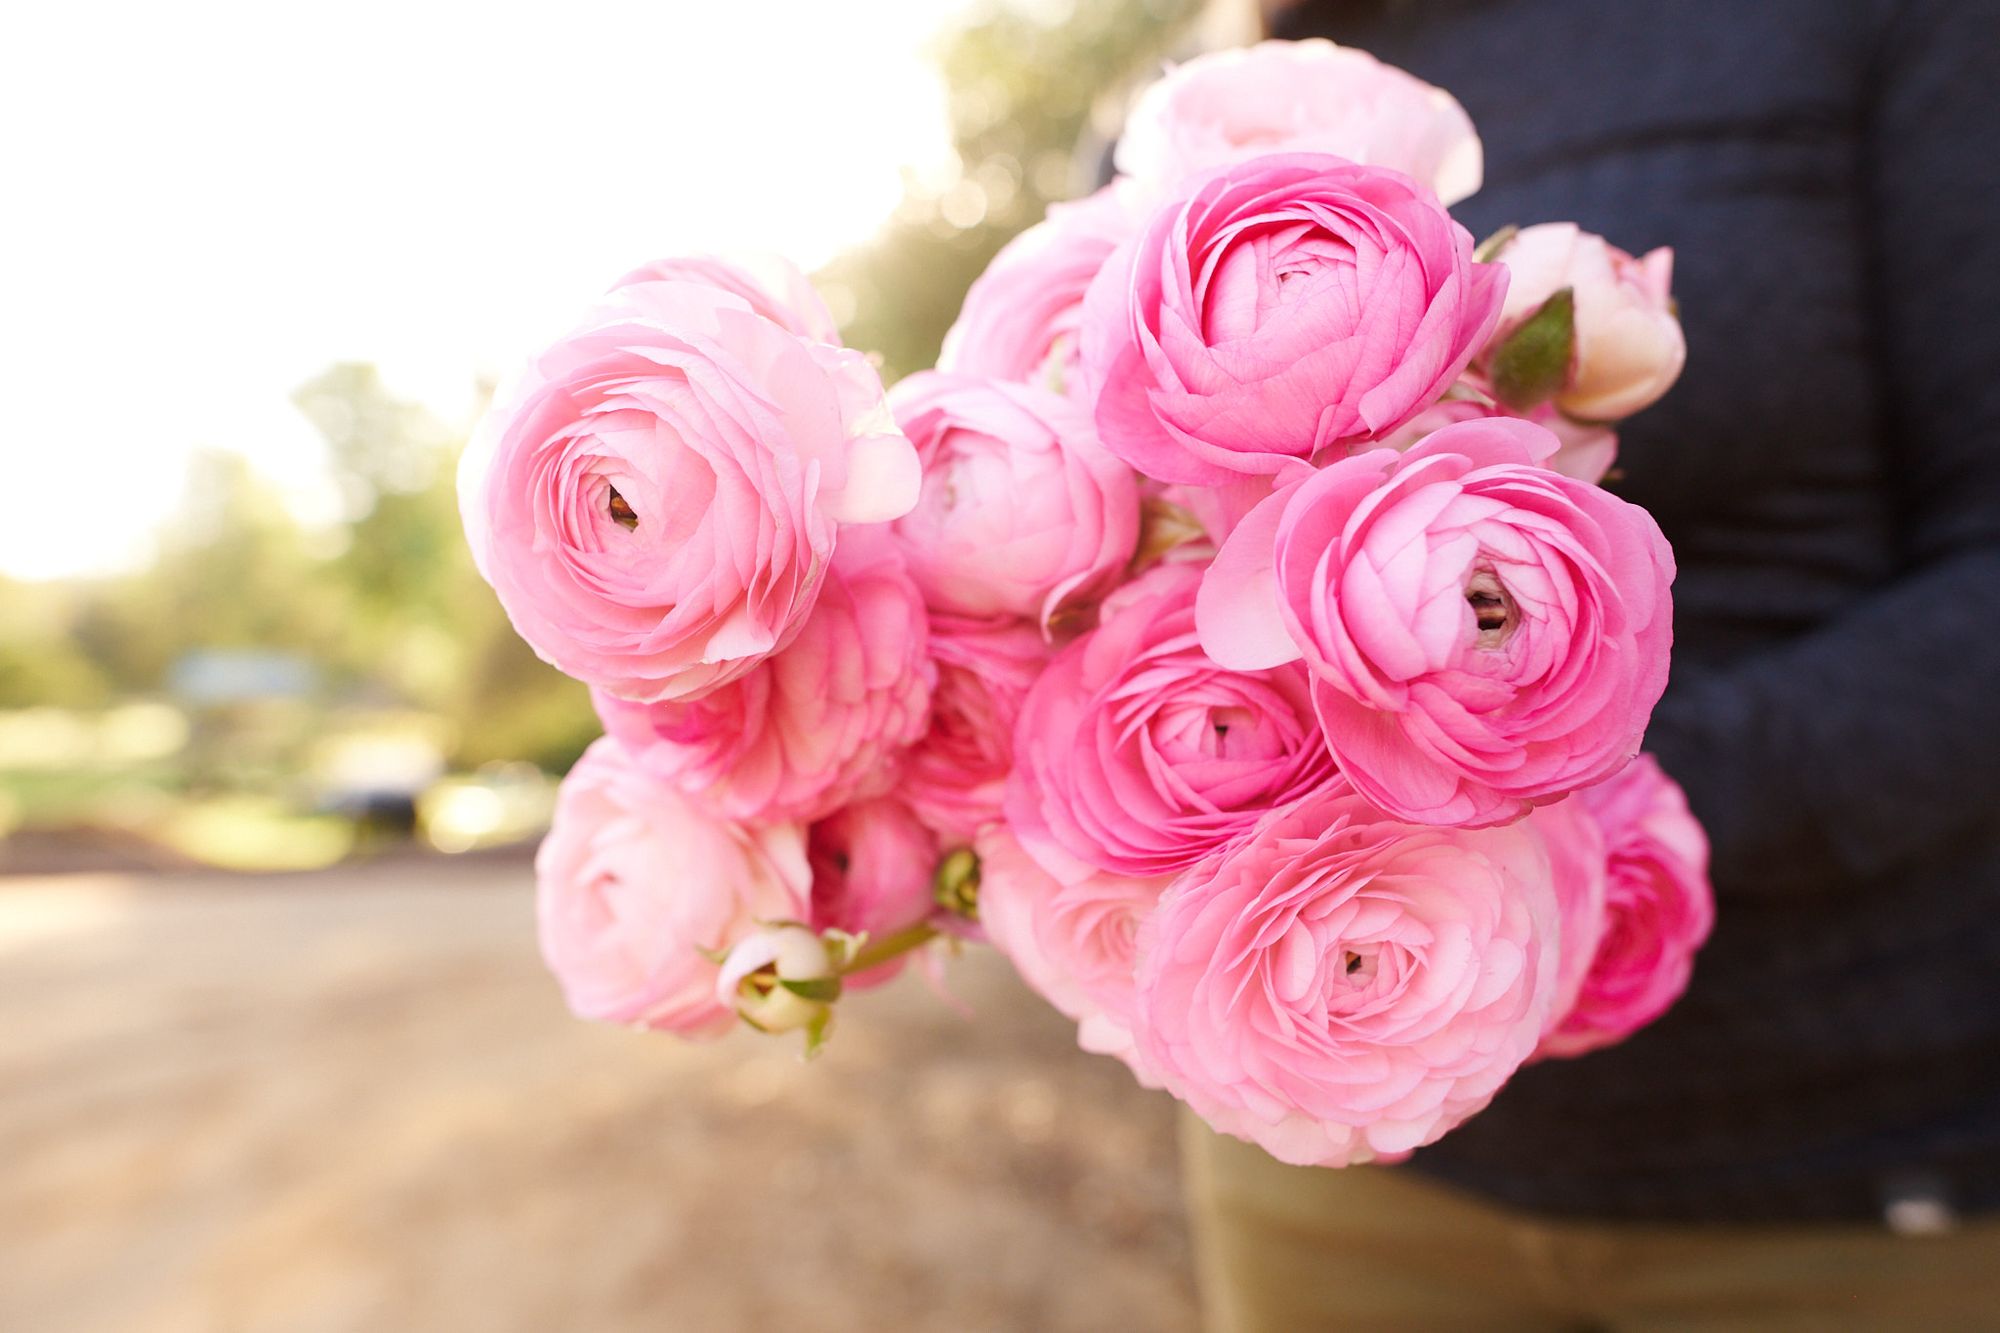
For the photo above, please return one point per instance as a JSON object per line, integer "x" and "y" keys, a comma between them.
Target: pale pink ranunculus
{"x": 1659, "y": 908}
{"x": 1285, "y": 308}
{"x": 1139, "y": 756}
{"x": 1585, "y": 449}
{"x": 638, "y": 890}
{"x": 1022, "y": 318}
{"x": 1072, "y": 936}
{"x": 1299, "y": 97}
{"x": 819, "y": 724}
{"x": 1342, "y": 986}
{"x": 1629, "y": 344}
{"x": 657, "y": 501}
{"x": 872, "y": 864}
{"x": 772, "y": 286}
{"x": 1484, "y": 634}
{"x": 1022, "y": 512}
{"x": 955, "y": 776}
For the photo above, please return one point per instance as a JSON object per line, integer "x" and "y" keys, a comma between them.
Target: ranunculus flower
{"x": 657, "y": 502}
{"x": 956, "y": 776}
{"x": 819, "y": 724}
{"x": 872, "y": 864}
{"x": 1658, "y": 910}
{"x": 771, "y": 285}
{"x": 1072, "y": 937}
{"x": 754, "y": 978}
{"x": 1299, "y": 97}
{"x": 1287, "y": 306}
{"x": 1585, "y": 449}
{"x": 1342, "y": 986}
{"x": 638, "y": 890}
{"x": 1022, "y": 513}
{"x": 1484, "y": 633}
{"x": 1576, "y": 866}
{"x": 1022, "y": 319}
{"x": 1140, "y": 756}
{"x": 1629, "y": 345}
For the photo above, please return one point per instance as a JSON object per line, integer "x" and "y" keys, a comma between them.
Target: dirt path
{"x": 352, "y": 1101}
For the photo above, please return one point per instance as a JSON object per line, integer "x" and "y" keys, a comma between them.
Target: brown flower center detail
{"x": 621, "y": 512}
{"x": 1493, "y": 609}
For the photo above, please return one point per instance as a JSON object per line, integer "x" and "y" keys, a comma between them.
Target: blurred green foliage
{"x": 384, "y": 604}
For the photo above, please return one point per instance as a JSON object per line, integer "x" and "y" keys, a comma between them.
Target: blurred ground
{"x": 351, "y": 1100}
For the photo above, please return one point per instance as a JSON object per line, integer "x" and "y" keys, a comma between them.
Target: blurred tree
{"x": 1026, "y": 79}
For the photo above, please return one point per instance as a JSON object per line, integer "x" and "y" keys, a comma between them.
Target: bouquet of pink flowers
{"x": 1232, "y": 630}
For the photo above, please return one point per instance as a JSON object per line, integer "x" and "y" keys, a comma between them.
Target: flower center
{"x": 1358, "y": 968}
{"x": 1493, "y": 610}
{"x": 620, "y": 510}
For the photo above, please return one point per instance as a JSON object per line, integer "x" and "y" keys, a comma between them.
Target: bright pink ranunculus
{"x": 1072, "y": 936}
{"x": 819, "y": 724}
{"x": 1022, "y": 512}
{"x": 1629, "y": 345}
{"x": 956, "y": 775}
{"x": 1576, "y": 865}
{"x": 1659, "y": 908}
{"x": 656, "y": 503}
{"x": 1140, "y": 756}
{"x": 872, "y": 864}
{"x": 773, "y": 287}
{"x": 1586, "y": 450}
{"x": 1342, "y": 986}
{"x": 1299, "y": 97}
{"x": 638, "y": 891}
{"x": 1484, "y": 633}
{"x": 1286, "y": 306}
{"x": 1022, "y": 319}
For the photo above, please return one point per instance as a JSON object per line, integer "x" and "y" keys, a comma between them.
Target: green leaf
{"x": 1531, "y": 366}
{"x": 826, "y": 989}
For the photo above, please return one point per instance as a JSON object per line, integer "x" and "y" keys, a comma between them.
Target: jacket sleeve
{"x": 1873, "y": 741}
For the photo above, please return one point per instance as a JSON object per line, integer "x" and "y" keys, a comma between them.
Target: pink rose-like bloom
{"x": 872, "y": 864}
{"x": 1287, "y": 306}
{"x": 1140, "y": 756}
{"x": 1299, "y": 97}
{"x": 1072, "y": 937}
{"x": 770, "y": 285}
{"x": 1022, "y": 513}
{"x": 1659, "y": 908}
{"x": 819, "y": 724}
{"x": 1576, "y": 865}
{"x": 1022, "y": 319}
{"x": 657, "y": 502}
{"x": 1342, "y": 986}
{"x": 1585, "y": 450}
{"x": 1484, "y": 633}
{"x": 1629, "y": 345}
{"x": 956, "y": 776}
{"x": 637, "y": 890}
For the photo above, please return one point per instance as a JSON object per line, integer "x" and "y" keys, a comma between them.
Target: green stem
{"x": 877, "y": 952}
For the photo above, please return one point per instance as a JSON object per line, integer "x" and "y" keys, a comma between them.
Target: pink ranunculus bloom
{"x": 872, "y": 864}
{"x": 1022, "y": 319}
{"x": 1022, "y": 512}
{"x": 956, "y": 776}
{"x": 821, "y": 723}
{"x": 1072, "y": 937}
{"x": 1576, "y": 864}
{"x": 1139, "y": 756}
{"x": 638, "y": 890}
{"x": 1484, "y": 633}
{"x": 1585, "y": 449}
{"x": 1629, "y": 345}
{"x": 1299, "y": 97}
{"x": 771, "y": 285}
{"x": 1343, "y": 987}
{"x": 1285, "y": 308}
{"x": 1659, "y": 908}
{"x": 657, "y": 502}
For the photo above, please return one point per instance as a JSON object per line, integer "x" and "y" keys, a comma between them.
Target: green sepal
{"x": 1532, "y": 365}
{"x": 1490, "y": 248}
{"x": 824, "y": 989}
{"x": 816, "y": 1034}
{"x": 955, "y": 887}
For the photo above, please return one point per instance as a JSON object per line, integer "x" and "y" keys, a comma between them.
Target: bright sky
{"x": 210, "y": 202}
